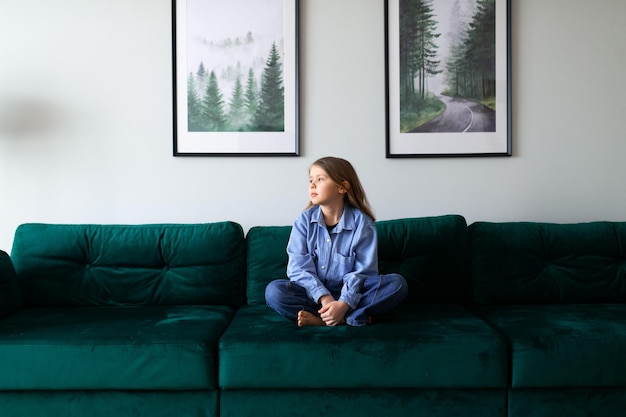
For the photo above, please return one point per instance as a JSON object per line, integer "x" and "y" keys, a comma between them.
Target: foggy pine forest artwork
{"x": 235, "y": 66}
{"x": 447, "y": 66}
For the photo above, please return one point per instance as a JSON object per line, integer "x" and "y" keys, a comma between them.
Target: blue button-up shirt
{"x": 334, "y": 263}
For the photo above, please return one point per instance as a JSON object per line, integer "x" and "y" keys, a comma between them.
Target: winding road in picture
{"x": 447, "y": 66}
{"x": 460, "y": 116}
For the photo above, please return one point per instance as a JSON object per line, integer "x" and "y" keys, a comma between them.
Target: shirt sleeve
{"x": 366, "y": 263}
{"x": 301, "y": 267}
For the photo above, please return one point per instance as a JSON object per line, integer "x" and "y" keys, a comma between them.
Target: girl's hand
{"x": 334, "y": 313}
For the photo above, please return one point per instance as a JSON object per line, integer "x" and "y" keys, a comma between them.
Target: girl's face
{"x": 322, "y": 189}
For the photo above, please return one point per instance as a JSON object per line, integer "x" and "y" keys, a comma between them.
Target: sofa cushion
{"x": 518, "y": 263}
{"x": 267, "y": 259}
{"x": 364, "y": 403}
{"x": 570, "y": 402}
{"x": 109, "y": 403}
{"x": 159, "y": 264}
{"x": 574, "y": 345}
{"x": 430, "y": 252}
{"x": 427, "y": 346}
{"x": 112, "y": 348}
{"x": 10, "y": 297}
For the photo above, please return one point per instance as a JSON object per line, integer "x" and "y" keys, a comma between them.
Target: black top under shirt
{"x": 329, "y": 228}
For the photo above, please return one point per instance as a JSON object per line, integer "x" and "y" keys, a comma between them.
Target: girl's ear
{"x": 345, "y": 185}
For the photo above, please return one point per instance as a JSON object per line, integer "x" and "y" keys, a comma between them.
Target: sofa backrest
{"x": 158, "y": 264}
{"x": 430, "y": 252}
{"x": 267, "y": 259}
{"x": 10, "y": 299}
{"x": 546, "y": 263}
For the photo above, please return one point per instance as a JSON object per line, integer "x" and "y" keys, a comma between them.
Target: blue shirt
{"x": 335, "y": 262}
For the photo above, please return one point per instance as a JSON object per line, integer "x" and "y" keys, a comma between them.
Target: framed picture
{"x": 235, "y": 77}
{"x": 448, "y": 78}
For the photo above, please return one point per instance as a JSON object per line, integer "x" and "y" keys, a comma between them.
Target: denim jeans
{"x": 381, "y": 294}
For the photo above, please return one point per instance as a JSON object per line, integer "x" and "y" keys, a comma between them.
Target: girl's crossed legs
{"x": 382, "y": 293}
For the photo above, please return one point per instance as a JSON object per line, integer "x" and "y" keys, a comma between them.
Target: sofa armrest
{"x": 10, "y": 295}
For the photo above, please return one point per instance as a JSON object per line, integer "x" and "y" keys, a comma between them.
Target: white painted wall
{"x": 86, "y": 121}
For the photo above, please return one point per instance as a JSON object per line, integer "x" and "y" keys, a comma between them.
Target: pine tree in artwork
{"x": 201, "y": 70}
{"x": 194, "y": 106}
{"x": 251, "y": 98}
{"x": 213, "y": 117}
{"x": 237, "y": 119}
{"x": 249, "y": 38}
{"x": 418, "y": 50}
{"x": 471, "y": 65}
{"x": 201, "y": 77}
{"x": 270, "y": 115}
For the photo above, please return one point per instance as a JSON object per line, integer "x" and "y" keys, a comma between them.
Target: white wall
{"x": 86, "y": 121}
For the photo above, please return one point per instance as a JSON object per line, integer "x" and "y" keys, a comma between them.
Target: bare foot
{"x": 308, "y": 319}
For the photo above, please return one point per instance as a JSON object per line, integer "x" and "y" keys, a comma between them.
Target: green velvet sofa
{"x": 556, "y": 293}
{"x": 432, "y": 356}
{"x": 502, "y": 319}
{"x": 10, "y": 296}
{"x": 119, "y": 320}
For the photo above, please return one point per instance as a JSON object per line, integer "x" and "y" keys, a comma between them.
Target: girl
{"x": 333, "y": 256}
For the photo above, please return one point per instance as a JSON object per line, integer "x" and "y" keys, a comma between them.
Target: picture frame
{"x": 235, "y": 77}
{"x": 448, "y": 91}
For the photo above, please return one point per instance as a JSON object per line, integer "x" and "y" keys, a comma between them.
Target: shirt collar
{"x": 346, "y": 222}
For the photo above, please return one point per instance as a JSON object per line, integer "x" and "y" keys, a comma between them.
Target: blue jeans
{"x": 381, "y": 294}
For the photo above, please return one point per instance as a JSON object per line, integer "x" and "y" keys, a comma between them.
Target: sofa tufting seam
{"x": 160, "y": 246}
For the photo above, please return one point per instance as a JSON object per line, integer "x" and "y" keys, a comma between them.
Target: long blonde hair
{"x": 339, "y": 170}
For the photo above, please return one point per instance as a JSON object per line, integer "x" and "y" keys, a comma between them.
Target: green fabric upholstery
{"x": 519, "y": 263}
{"x": 502, "y": 319}
{"x": 88, "y": 265}
{"x": 363, "y": 403}
{"x": 431, "y": 356}
{"x": 112, "y": 348}
{"x": 574, "y": 345}
{"x": 10, "y": 297}
{"x": 267, "y": 259}
{"x": 109, "y": 403}
{"x": 429, "y": 346}
{"x": 430, "y": 252}
{"x": 603, "y": 402}
{"x": 556, "y": 293}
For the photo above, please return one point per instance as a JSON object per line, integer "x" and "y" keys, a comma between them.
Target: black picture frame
{"x": 448, "y": 94}
{"x": 228, "y": 57}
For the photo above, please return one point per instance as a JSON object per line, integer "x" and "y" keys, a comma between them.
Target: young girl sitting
{"x": 333, "y": 256}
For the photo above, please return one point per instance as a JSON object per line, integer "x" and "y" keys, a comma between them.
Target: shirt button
{"x": 323, "y": 267}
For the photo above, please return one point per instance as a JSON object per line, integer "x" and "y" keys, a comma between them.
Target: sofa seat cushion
{"x": 570, "y": 402}
{"x": 429, "y": 346}
{"x": 115, "y": 348}
{"x": 574, "y": 345}
{"x": 102, "y": 403}
{"x": 364, "y": 403}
